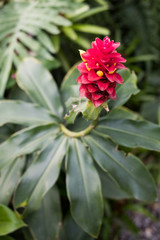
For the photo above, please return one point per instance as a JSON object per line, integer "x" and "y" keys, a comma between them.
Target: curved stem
{"x": 81, "y": 133}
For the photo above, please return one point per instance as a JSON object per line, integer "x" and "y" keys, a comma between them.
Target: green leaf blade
{"x": 47, "y": 217}
{"x": 88, "y": 28}
{"x": 9, "y": 222}
{"x": 70, "y": 87}
{"x": 110, "y": 188}
{"x": 83, "y": 189}
{"x": 129, "y": 172}
{"x": 9, "y": 179}
{"x": 41, "y": 175}
{"x": 38, "y": 83}
{"x": 126, "y": 89}
{"x": 26, "y": 141}
{"x": 24, "y": 113}
{"x": 131, "y": 133}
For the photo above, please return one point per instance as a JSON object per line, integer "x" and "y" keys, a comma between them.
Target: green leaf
{"x": 126, "y": 89}
{"x": 24, "y": 30}
{"x": 128, "y": 172}
{"x": 121, "y": 113}
{"x": 9, "y": 178}
{"x": 91, "y": 112}
{"x": 45, "y": 40}
{"x": 9, "y": 222}
{"x": 89, "y": 13}
{"x": 39, "y": 85}
{"x": 73, "y": 232}
{"x": 142, "y": 58}
{"x": 131, "y": 133}
{"x": 88, "y": 28}
{"x": 56, "y": 42}
{"x": 26, "y": 141}
{"x": 24, "y": 113}
{"x": 70, "y": 87}
{"x": 140, "y": 209}
{"x": 71, "y": 117}
{"x": 88, "y": 110}
{"x": 83, "y": 42}
{"x": 110, "y": 188}
{"x": 47, "y": 217}
{"x": 159, "y": 115}
{"x": 83, "y": 188}
{"x": 6, "y": 238}
{"x": 41, "y": 175}
{"x": 70, "y": 33}
{"x": 129, "y": 224}
{"x": 149, "y": 108}
{"x": 50, "y": 64}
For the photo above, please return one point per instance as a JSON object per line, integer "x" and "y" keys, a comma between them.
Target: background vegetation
{"x": 52, "y": 31}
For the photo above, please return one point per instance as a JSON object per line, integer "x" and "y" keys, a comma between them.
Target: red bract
{"x": 98, "y": 71}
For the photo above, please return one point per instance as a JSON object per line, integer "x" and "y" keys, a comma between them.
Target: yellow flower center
{"x": 100, "y": 73}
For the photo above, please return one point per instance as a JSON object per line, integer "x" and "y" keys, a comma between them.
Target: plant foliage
{"x": 92, "y": 159}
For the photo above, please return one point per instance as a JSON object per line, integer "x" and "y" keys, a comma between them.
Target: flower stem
{"x": 80, "y": 133}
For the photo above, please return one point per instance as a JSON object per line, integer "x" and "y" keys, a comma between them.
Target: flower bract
{"x": 98, "y": 70}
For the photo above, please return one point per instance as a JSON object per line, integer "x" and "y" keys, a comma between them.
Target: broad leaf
{"x": 110, "y": 188}
{"x": 121, "y": 113}
{"x": 24, "y": 113}
{"x": 73, "y": 232}
{"x": 39, "y": 84}
{"x": 131, "y": 133}
{"x": 70, "y": 87}
{"x": 25, "y": 141}
{"x": 9, "y": 222}
{"x": 41, "y": 175}
{"x": 47, "y": 217}
{"x": 128, "y": 172}
{"x": 126, "y": 89}
{"x": 5, "y": 132}
{"x": 9, "y": 177}
{"x": 83, "y": 188}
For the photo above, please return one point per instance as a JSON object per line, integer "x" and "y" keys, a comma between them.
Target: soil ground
{"x": 148, "y": 229}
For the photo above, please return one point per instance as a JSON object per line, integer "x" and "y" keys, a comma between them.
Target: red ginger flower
{"x": 98, "y": 71}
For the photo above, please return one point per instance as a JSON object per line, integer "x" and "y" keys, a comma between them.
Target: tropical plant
{"x": 93, "y": 163}
{"x": 32, "y": 28}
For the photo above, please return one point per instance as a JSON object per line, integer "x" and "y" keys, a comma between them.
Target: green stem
{"x": 81, "y": 133}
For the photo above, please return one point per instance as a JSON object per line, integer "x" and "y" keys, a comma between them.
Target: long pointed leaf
{"x": 126, "y": 89}
{"x": 24, "y": 142}
{"x": 9, "y": 178}
{"x": 47, "y": 217}
{"x": 9, "y": 222}
{"x": 110, "y": 188}
{"x": 131, "y": 133}
{"x": 20, "y": 112}
{"x": 83, "y": 189}
{"x": 38, "y": 83}
{"x": 41, "y": 175}
{"x": 129, "y": 172}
